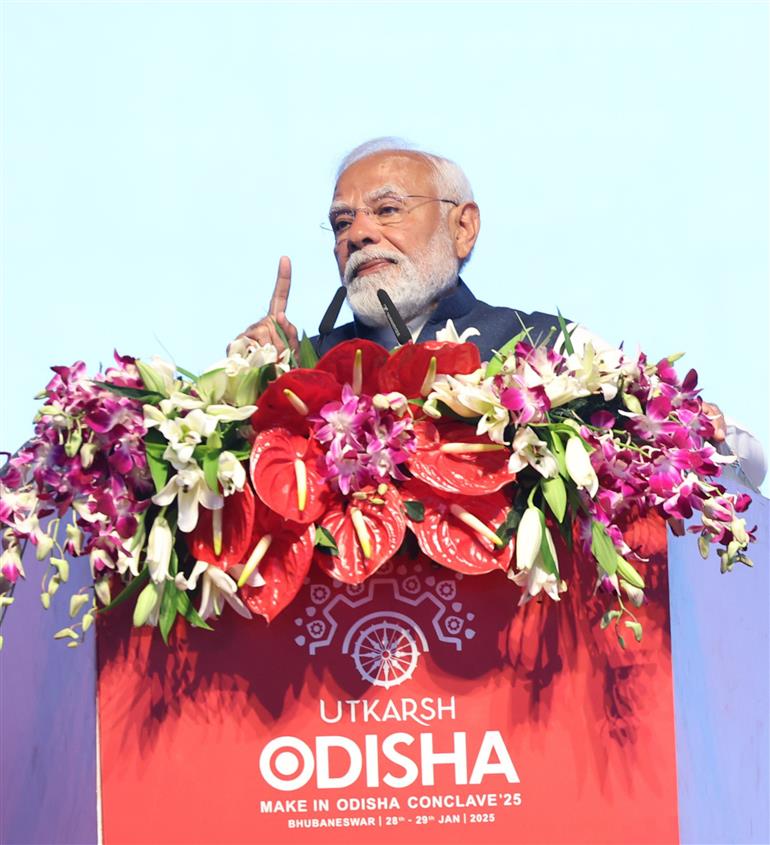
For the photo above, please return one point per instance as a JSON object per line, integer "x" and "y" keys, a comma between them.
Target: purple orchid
{"x": 363, "y": 444}
{"x": 87, "y": 454}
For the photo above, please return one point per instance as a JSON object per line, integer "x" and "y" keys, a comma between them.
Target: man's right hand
{"x": 265, "y": 331}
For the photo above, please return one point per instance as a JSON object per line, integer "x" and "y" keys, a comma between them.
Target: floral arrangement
{"x": 188, "y": 493}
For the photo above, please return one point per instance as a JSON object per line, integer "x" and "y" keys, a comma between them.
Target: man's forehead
{"x": 402, "y": 172}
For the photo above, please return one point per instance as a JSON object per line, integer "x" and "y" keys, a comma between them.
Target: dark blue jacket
{"x": 496, "y": 324}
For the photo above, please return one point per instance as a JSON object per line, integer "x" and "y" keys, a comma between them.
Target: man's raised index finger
{"x": 282, "y": 287}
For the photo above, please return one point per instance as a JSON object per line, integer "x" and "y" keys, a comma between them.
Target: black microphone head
{"x": 400, "y": 329}
{"x": 332, "y": 312}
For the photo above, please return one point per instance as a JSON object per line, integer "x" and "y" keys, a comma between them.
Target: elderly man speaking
{"x": 404, "y": 222}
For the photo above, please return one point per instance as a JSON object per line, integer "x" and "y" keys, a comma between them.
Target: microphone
{"x": 330, "y": 316}
{"x": 400, "y": 329}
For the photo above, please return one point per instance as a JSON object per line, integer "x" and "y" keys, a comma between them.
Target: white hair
{"x": 450, "y": 181}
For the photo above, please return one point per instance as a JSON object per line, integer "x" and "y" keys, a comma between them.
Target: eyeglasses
{"x": 387, "y": 211}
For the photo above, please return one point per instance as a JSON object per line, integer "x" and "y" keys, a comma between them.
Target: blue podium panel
{"x": 720, "y": 634}
{"x": 48, "y": 770}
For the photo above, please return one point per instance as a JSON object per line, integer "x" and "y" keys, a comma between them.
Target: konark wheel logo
{"x": 385, "y": 645}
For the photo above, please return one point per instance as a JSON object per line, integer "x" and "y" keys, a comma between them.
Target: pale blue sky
{"x": 159, "y": 157}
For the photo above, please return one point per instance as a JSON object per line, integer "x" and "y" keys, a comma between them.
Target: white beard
{"x": 414, "y": 284}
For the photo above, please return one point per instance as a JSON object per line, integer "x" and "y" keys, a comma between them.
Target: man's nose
{"x": 363, "y": 231}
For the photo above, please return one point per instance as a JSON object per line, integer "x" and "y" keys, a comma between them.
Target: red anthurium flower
{"x": 291, "y": 398}
{"x": 409, "y": 368}
{"x": 457, "y": 531}
{"x": 233, "y": 524}
{"x": 368, "y": 531}
{"x": 283, "y": 551}
{"x": 451, "y": 457}
{"x": 357, "y": 363}
{"x": 285, "y": 473}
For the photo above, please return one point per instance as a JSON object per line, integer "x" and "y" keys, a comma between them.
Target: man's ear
{"x": 465, "y": 225}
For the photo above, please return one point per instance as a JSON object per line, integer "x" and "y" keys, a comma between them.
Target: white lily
{"x": 530, "y": 450}
{"x": 563, "y": 389}
{"x": 180, "y": 401}
{"x": 537, "y": 579}
{"x": 449, "y": 333}
{"x": 579, "y": 466}
{"x": 529, "y": 535}
{"x": 216, "y": 589}
{"x": 228, "y": 413}
{"x": 211, "y": 386}
{"x": 230, "y": 473}
{"x": 184, "y": 434}
{"x": 245, "y": 354}
{"x": 446, "y": 389}
{"x": 159, "y": 548}
{"x": 190, "y": 485}
{"x": 471, "y": 396}
{"x": 602, "y": 371}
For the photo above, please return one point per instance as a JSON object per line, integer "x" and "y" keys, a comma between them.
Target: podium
{"x": 420, "y": 705}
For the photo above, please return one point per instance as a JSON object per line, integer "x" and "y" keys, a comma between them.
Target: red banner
{"x": 421, "y": 705}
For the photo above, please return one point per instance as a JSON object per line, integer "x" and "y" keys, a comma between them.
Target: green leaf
{"x": 567, "y": 335}
{"x": 130, "y": 590}
{"x": 200, "y": 452}
{"x": 210, "y": 469}
{"x": 184, "y": 606}
{"x": 508, "y": 528}
{"x": 603, "y": 549}
{"x": 168, "y": 610}
{"x": 307, "y": 355}
{"x": 556, "y": 495}
{"x": 214, "y": 440}
{"x": 325, "y": 540}
{"x": 267, "y": 374}
{"x": 187, "y": 374}
{"x": 415, "y": 510}
{"x": 557, "y": 449}
{"x": 496, "y": 362}
{"x": 211, "y": 386}
{"x": 159, "y": 470}
{"x": 155, "y": 449}
{"x": 150, "y": 397}
{"x": 549, "y": 561}
{"x": 636, "y": 628}
{"x": 155, "y": 437}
